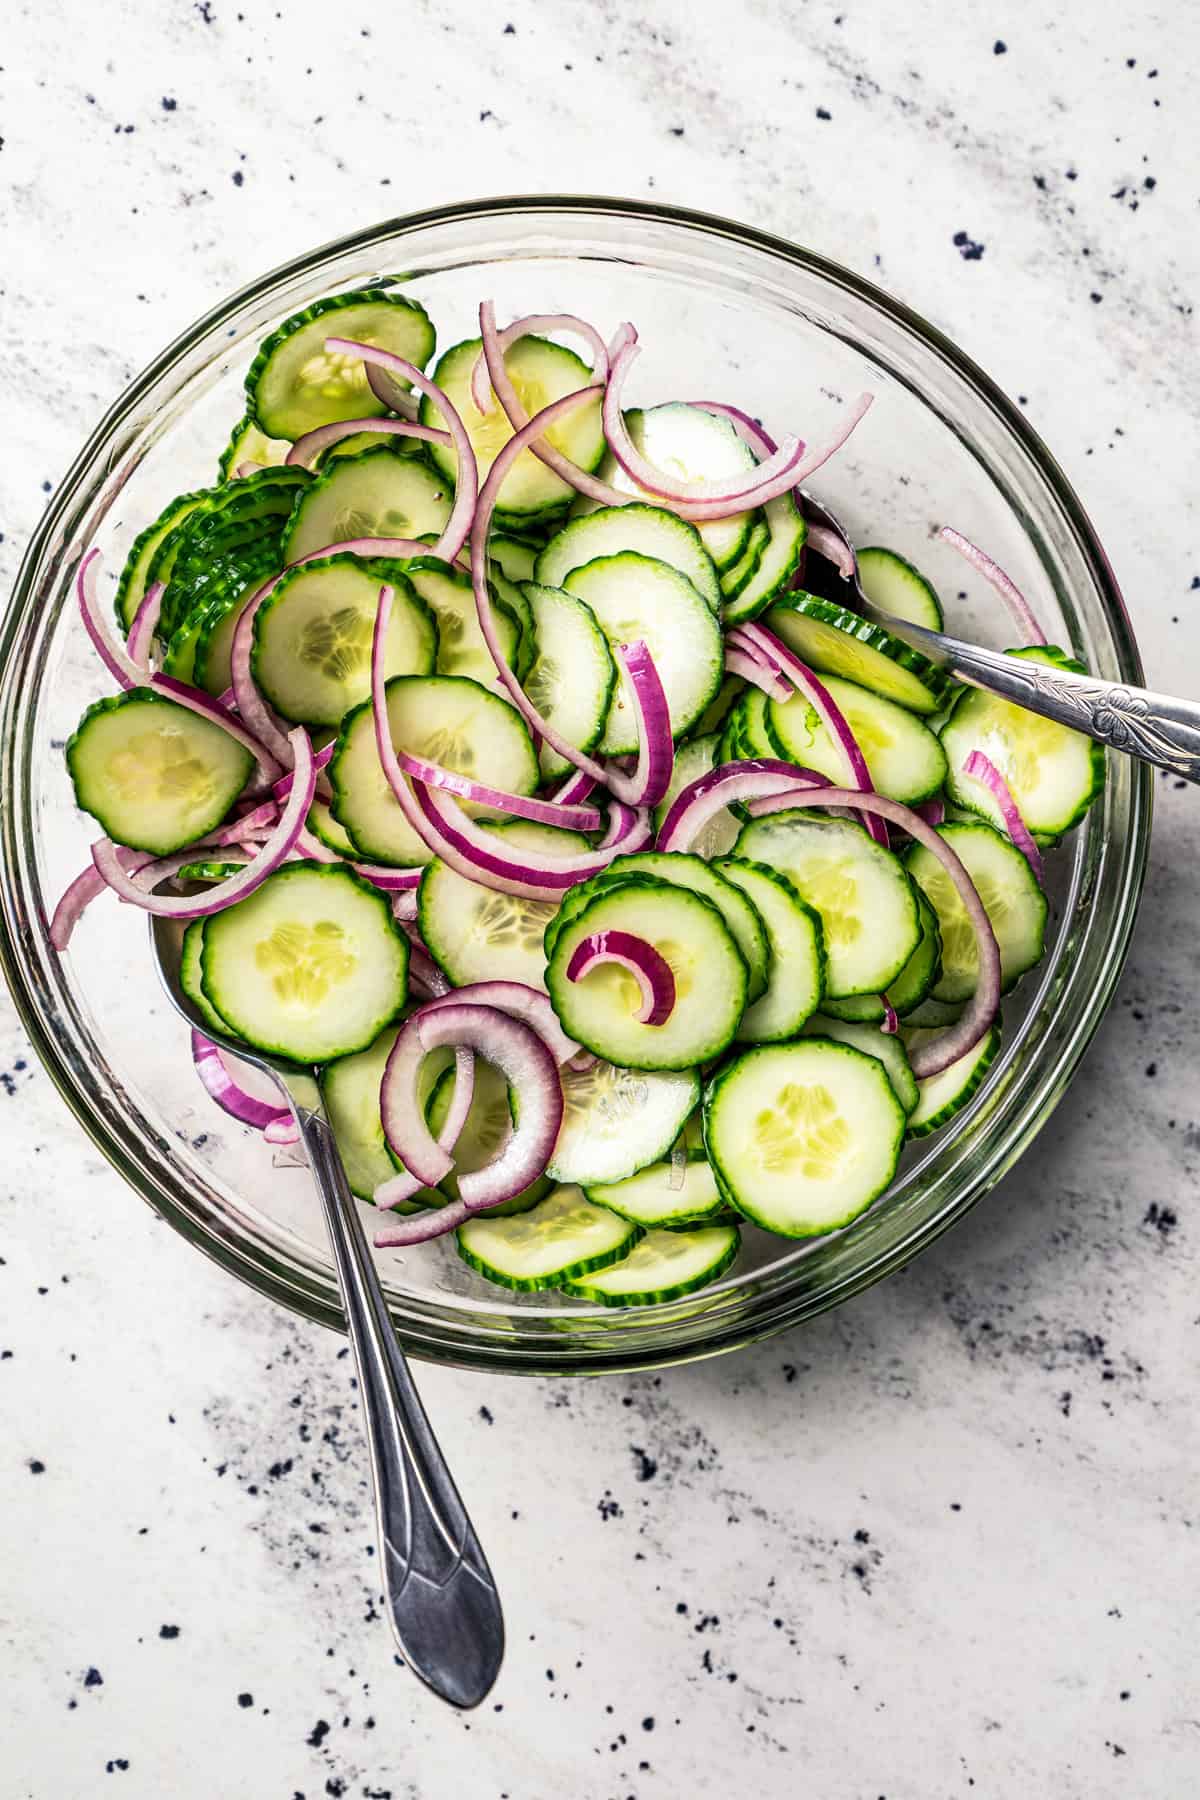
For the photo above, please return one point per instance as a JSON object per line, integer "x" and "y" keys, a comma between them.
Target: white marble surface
{"x": 944, "y": 1541}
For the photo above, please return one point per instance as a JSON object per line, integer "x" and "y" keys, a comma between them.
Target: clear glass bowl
{"x": 723, "y": 312}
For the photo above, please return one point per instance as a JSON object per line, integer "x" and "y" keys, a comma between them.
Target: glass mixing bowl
{"x": 724, "y": 312}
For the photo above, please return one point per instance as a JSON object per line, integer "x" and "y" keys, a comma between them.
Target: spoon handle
{"x": 1156, "y": 728}
{"x": 443, "y": 1604}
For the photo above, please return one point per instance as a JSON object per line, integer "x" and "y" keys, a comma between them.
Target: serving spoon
{"x": 1155, "y": 728}
{"x": 442, "y": 1601}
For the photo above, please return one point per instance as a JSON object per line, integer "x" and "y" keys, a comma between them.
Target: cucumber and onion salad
{"x": 514, "y": 761}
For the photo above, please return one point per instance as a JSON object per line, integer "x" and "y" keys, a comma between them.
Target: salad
{"x": 514, "y": 758}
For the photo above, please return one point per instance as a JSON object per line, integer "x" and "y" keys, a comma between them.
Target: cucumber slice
{"x": 838, "y": 642}
{"x": 154, "y": 775}
{"x": 212, "y": 666}
{"x": 885, "y": 1046}
{"x": 616, "y": 1121}
{"x": 710, "y": 979}
{"x": 350, "y": 1088}
{"x": 445, "y": 718}
{"x": 235, "y": 525}
{"x": 573, "y": 675}
{"x": 375, "y": 494}
{"x": 541, "y": 372}
{"x": 190, "y": 955}
{"x": 295, "y": 384}
{"x": 311, "y": 966}
{"x": 509, "y": 594}
{"x": 904, "y": 759}
{"x": 248, "y": 444}
{"x": 941, "y": 1096}
{"x": 894, "y": 586}
{"x": 665, "y": 1265}
{"x": 662, "y": 1194}
{"x": 865, "y": 901}
{"x": 313, "y": 635}
{"x": 461, "y": 648}
{"x": 477, "y": 934}
{"x": 327, "y": 831}
{"x": 786, "y": 535}
{"x": 489, "y": 1125}
{"x": 1053, "y": 773}
{"x": 796, "y": 973}
{"x": 517, "y": 556}
{"x": 649, "y": 530}
{"x": 635, "y": 596}
{"x": 685, "y": 871}
{"x": 931, "y": 1013}
{"x": 1014, "y": 902}
{"x": 692, "y": 760}
{"x": 739, "y": 574}
{"x": 714, "y": 715}
{"x": 562, "y": 1237}
{"x": 911, "y": 984}
{"x": 135, "y": 576}
{"x": 698, "y": 446}
{"x": 803, "y": 1136}
{"x": 754, "y": 737}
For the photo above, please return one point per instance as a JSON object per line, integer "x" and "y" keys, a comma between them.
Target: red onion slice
{"x": 466, "y": 485}
{"x": 932, "y": 811}
{"x": 521, "y": 806}
{"x": 401, "y": 400}
{"x": 891, "y": 1023}
{"x": 402, "y": 548}
{"x": 306, "y": 449}
{"x": 1023, "y": 614}
{"x": 648, "y": 966}
{"x": 283, "y": 1130}
{"x": 565, "y": 323}
{"x": 404, "y": 1184}
{"x": 321, "y": 761}
{"x": 524, "y": 1003}
{"x": 834, "y": 548}
{"x": 120, "y": 665}
{"x": 982, "y": 769}
{"x": 710, "y": 793}
{"x": 530, "y": 874}
{"x": 528, "y": 1067}
{"x": 758, "y": 674}
{"x": 87, "y": 886}
{"x": 404, "y": 906}
{"x": 575, "y": 788}
{"x": 231, "y": 1089}
{"x": 140, "y": 641}
{"x": 107, "y": 858}
{"x": 250, "y": 703}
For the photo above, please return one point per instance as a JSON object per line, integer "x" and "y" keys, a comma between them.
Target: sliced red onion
{"x": 528, "y": 1067}
{"x": 484, "y": 857}
{"x": 466, "y": 484}
{"x": 833, "y": 547}
{"x": 748, "y": 429}
{"x": 404, "y": 1184}
{"x": 401, "y": 400}
{"x": 565, "y": 323}
{"x": 701, "y": 512}
{"x": 309, "y": 846}
{"x": 521, "y": 806}
{"x": 321, "y": 761}
{"x": 423, "y": 972}
{"x": 648, "y": 966}
{"x": 260, "y": 718}
{"x": 401, "y": 548}
{"x": 1009, "y": 592}
{"x": 197, "y": 701}
{"x": 982, "y": 769}
{"x": 87, "y": 886}
{"x": 891, "y": 1023}
{"x": 389, "y": 881}
{"x": 710, "y": 793}
{"x": 118, "y": 662}
{"x": 232, "y": 1088}
{"x": 932, "y": 811}
{"x": 655, "y": 765}
{"x": 523, "y": 1002}
{"x": 107, "y": 858}
{"x": 404, "y": 905}
{"x": 575, "y": 788}
{"x": 814, "y": 691}
{"x": 306, "y": 449}
{"x": 758, "y": 674}
{"x": 736, "y": 494}
{"x": 283, "y": 1130}
{"x": 932, "y": 1057}
{"x": 145, "y": 623}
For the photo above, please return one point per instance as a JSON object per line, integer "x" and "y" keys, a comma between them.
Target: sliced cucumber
{"x": 350, "y": 1088}
{"x": 616, "y": 1121}
{"x": 714, "y": 715}
{"x": 295, "y": 384}
{"x": 313, "y": 636}
{"x": 685, "y": 871}
{"x": 573, "y": 675}
{"x": 462, "y": 649}
{"x": 234, "y": 524}
{"x": 213, "y": 662}
{"x": 786, "y": 535}
{"x": 635, "y": 596}
{"x": 311, "y": 966}
{"x": 248, "y": 444}
{"x": 327, "y": 831}
{"x": 649, "y": 530}
{"x": 562, "y": 1237}
{"x": 796, "y": 972}
{"x": 375, "y": 494}
{"x": 803, "y": 1136}
{"x": 941, "y": 1096}
{"x": 1014, "y": 902}
{"x": 885, "y": 1046}
{"x": 477, "y": 934}
{"x": 664, "y": 1194}
{"x": 738, "y": 574}
{"x": 754, "y": 738}
{"x": 540, "y": 372}
{"x": 911, "y": 985}
{"x": 895, "y": 587}
{"x": 517, "y": 556}
{"x": 904, "y": 759}
{"x": 510, "y": 594}
{"x": 692, "y": 760}
{"x": 131, "y": 589}
{"x": 1053, "y": 773}
{"x": 155, "y": 775}
{"x": 489, "y": 1125}
{"x": 843, "y": 643}
{"x": 664, "y": 1265}
{"x": 600, "y": 1010}
{"x": 930, "y": 1013}
{"x": 683, "y": 440}
{"x": 445, "y": 718}
{"x": 866, "y": 903}
{"x": 190, "y": 957}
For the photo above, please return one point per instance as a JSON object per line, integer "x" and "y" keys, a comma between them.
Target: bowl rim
{"x": 419, "y": 1331}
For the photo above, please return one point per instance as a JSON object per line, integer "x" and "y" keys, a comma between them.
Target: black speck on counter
{"x": 648, "y": 1724}
{"x": 509, "y": 31}
{"x": 245, "y": 1700}
{"x": 486, "y": 1415}
{"x": 999, "y": 47}
{"x": 1095, "y": 298}
{"x": 318, "y": 1734}
{"x": 116, "y": 1764}
{"x": 204, "y": 8}
{"x": 237, "y": 178}
{"x": 36, "y": 1466}
{"x": 647, "y": 1466}
{"x": 1151, "y": 1070}
{"x": 676, "y": 130}
{"x": 607, "y": 1507}
{"x": 167, "y": 104}
{"x": 168, "y": 1631}
{"x": 823, "y": 114}
{"x": 967, "y": 248}
{"x": 93, "y": 1678}
{"x": 1161, "y": 1218}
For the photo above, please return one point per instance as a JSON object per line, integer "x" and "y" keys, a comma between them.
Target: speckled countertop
{"x": 942, "y": 1542}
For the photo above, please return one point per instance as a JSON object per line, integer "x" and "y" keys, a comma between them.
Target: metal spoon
{"x": 1153, "y": 727}
{"x": 442, "y": 1600}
